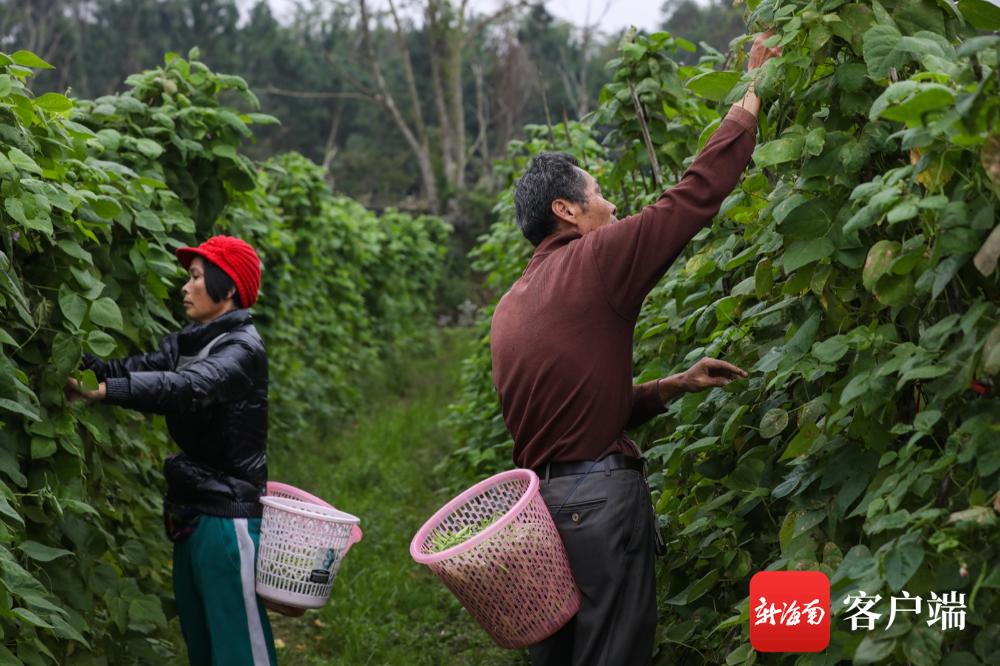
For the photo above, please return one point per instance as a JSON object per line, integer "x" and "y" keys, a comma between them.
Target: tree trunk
{"x": 482, "y": 119}
{"x": 456, "y": 49}
{"x": 384, "y": 96}
{"x": 445, "y": 124}
{"x": 330, "y": 150}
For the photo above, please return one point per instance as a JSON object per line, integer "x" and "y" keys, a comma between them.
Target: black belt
{"x": 608, "y": 463}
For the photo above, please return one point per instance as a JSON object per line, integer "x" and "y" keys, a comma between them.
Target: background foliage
{"x": 96, "y": 196}
{"x": 840, "y": 273}
{"x": 307, "y": 63}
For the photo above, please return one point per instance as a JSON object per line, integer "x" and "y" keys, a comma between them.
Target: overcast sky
{"x": 620, "y": 13}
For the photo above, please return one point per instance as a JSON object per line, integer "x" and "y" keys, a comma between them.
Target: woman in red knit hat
{"x": 210, "y": 380}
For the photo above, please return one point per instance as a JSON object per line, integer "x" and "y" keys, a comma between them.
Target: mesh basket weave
{"x": 513, "y": 577}
{"x": 301, "y": 547}
{"x": 278, "y": 489}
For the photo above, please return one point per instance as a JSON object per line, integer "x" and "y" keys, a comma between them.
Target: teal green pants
{"x": 223, "y": 621}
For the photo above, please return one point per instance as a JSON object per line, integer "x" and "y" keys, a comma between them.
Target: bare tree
{"x": 451, "y": 31}
{"x": 575, "y": 74}
{"x": 384, "y": 96}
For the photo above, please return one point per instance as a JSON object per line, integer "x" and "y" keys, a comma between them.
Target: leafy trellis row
{"x": 95, "y": 197}
{"x": 853, "y": 272}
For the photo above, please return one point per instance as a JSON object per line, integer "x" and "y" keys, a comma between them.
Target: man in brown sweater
{"x": 561, "y": 342}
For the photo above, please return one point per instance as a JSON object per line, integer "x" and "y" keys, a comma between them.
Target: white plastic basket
{"x": 301, "y": 547}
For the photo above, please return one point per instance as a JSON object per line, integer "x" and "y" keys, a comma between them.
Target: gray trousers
{"x": 608, "y": 528}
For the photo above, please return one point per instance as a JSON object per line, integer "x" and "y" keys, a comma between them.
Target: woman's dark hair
{"x": 218, "y": 284}
{"x": 550, "y": 176}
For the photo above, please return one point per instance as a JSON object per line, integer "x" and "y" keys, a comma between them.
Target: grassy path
{"x": 386, "y": 609}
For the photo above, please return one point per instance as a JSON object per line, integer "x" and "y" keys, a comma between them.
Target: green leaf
{"x": 7, "y": 657}
{"x": 88, "y": 380}
{"x": 780, "y": 150}
{"x": 831, "y": 350}
{"x": 7, "y": 510}
{"x": 928, "y": 98}
{"x": 804, "y": 252}
{"x": 852, "y": 76}
{"x": 74, "y": 250}
{"x": 72, "y": 305}
{"x": 879, "y": 260}
{"x": 694, "y": 590}
{"x": 990, "y": 359}
{"x": 763, "y": 278}
{"x": 804, "y": 336}
{"x": 633, "y": 51}
{"x": 922, "y": 645}
{"x": 853, "y": 155}
{"x": 713, "y": 85}
{"x": 65, "y": 630}
{"x": 66, "y": 352}
{"x": 101, "y": 343}
{"x": 23, "y": 161}
{"x": 811, "y": 220}
{"x": 78, "y": 130}
{"x": 149, "y": 148}
{"x": 41, "y": 552}
{"x": 106, "y": 207}
{"x": 42, "y": 447}
{"x": 806, "y": 520}
{"x": 774, "y": 423}
{"x": 740, "y": 654}
{"x": 29, "y": 617}
{"x": 873, "y": 649}
{"x": 18, "y": 408}
{"x": 893, "y": 290}
{"x": 881, "y": 50}
{"x": 859, "y": 385}
{"x": 802, "y": 441}
{"x": 260, "y": 119}
{"x": 146, "y": 610}
{"x": 148, "y": 220}
{"x": 29, "y": 59}
{"x": 224, "y": 150}
{"x": 905, "y": 210}
{"x": 901, "y": 563}
{"x": 925, "y": 420}
{"x": 76, "y": 506}
{"x": 981, "y": 14}
{"x": 933, "y": 337}
{"x": 105, "y": 313}
{"x": 12, "y": 468}
{"x": 54, "y": 102}
{"x": 923, "y": 372}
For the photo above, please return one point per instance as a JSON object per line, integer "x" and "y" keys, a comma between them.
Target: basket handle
{"x": 356, "y": 536}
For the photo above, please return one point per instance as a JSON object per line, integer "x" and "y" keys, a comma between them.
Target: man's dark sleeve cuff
{"x": 744, "y": 118}
{"x": 117, "y": 390}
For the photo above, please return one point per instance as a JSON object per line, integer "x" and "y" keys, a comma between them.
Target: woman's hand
{"x": 289, "y": 611}
{"x": 74, "y": 392}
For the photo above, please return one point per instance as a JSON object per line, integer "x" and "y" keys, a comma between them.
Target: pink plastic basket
{"x": 303, "y": 541}
{"x": 513, "y": 576}
{"x": 278, "y": 489}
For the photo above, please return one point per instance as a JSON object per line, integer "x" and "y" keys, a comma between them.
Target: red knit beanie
{"x": 236, "y": 259}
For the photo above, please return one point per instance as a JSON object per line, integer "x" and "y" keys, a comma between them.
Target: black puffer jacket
{"x": 216, "y": 409}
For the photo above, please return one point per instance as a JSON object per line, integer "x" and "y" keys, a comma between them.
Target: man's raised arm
{"x": 635, "y": 253}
